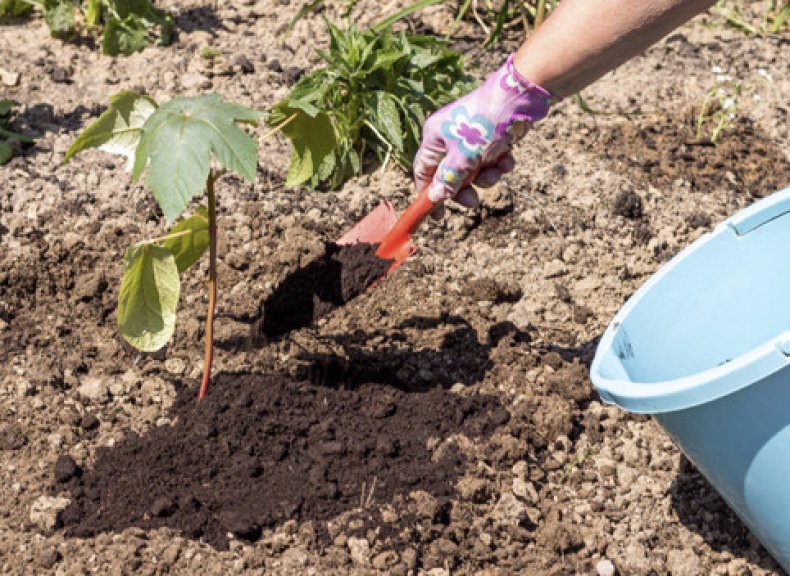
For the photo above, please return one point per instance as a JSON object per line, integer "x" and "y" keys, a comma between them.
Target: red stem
{"x": 212, "y": 286}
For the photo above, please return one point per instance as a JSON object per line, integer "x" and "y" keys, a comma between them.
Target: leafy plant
{"x": 13, "y": 8}
{"x": 496, "y": 16}
{"x": 126, "y": 26}
{"x": 718, "y": 111}
{"x": 10, "y": 142}
{"x": 371, "y": 98}
{"x": 175, "y": 143}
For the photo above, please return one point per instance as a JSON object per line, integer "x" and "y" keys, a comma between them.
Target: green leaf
{"x": 59, "y": 15}
{"x": 125, "y": 36}
{"x": 386, "y": 59}
{"x": 118, "y": 129}
{"x": 13, "y": 8}
{"x": 149, "y": 296}
{"x": 312, "y": 140}
{"x": 6, "y": 106}
{"x": 6, "y": 153}
{"x": 188, "y": 248}
{"x": 178, "y": 140}
{"x": 93, "y": 13}
{"x": 388, "y": 119}
{"x": 125, "y": 8}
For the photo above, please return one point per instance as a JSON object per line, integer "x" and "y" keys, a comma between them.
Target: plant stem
{"x": 212, "y": 283}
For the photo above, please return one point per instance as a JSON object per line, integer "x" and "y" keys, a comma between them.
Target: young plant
{"x": 10, "y": 142}
{"x": 175, "y": 142}
{"x": 372, "y": 97}
{"x": 718, "y": 111}
{"x": 126, "y": 26}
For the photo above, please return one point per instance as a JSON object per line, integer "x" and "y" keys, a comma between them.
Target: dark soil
{"x": 663, "y": 149}
{"x": 261, "y": 450}
{"x": 315, "y": 290}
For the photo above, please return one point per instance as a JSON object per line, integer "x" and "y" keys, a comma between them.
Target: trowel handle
{"x": 406, "y": 225}
{"x": 411, "y": 219}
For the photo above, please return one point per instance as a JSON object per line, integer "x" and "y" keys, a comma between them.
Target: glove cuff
{"x": 536, "y": 97}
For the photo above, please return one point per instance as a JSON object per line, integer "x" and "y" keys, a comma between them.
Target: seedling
{"x": 718, "y": 111}
{"x": 175, "y": 142}
{"x": 209, "y": 53}
{"x": 10, "y": 142}
{"x": 126, "y": 26}
{"x": 372, "y": 96}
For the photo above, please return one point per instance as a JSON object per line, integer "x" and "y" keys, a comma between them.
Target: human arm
{"x": 585, "y": 39}
{"x": 581, "y": 41}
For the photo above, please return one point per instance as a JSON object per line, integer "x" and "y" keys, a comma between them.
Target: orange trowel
{"x": 392, "y": 233}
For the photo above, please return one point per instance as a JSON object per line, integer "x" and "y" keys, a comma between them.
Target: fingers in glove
{"x": 450, "y": 175}
{"x": 467, "y": 197}
{"x": 438, "y": 212}
{"x": 488, "y": 177}
{"x": 426, "y": 162}
{"x": 506, "y": 164}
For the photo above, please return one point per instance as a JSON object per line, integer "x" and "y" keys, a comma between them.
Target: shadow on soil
{"x": 385, "y": 356}
{"x": 202, "y": 18}
{"x": 700, "y": 508}
{"x": 38, "y": 119}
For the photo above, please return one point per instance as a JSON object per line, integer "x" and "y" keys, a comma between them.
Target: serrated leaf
{"x": 386, "y": 59}
{"x": 118, "y": 129}
{"x": 188, "y": 249}
{"x": 59, "y": 15}
{"x": 149, "y": 296}
{"x": 178, "y": 140}
{"x": 388, "y": 119}
{"x": 125, "y": 36}
{"x": 312, "y": 140}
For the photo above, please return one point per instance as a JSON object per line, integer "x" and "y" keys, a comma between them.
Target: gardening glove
{"x": 478, "y": 131}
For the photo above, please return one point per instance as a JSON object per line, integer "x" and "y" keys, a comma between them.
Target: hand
{"x": 476, "y": 132}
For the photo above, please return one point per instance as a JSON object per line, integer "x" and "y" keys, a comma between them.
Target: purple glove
{"x": 478, "y": 131}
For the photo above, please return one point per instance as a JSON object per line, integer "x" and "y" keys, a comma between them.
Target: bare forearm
{"x": 585, "y": 39}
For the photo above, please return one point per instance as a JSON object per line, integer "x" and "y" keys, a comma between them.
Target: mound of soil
{"x": 260, "y": 450}
{"x": 339, "y": 275}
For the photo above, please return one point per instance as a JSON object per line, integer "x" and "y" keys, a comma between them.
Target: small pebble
{"x": 605, "y": 567}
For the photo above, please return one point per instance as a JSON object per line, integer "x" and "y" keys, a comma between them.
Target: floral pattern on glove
{"x": 477, "y": 132}
{"x": 449, "y": 176}
{"x": 473, "y": 134}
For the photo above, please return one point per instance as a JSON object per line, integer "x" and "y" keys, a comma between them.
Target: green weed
{"x": 369, "y": 100}
{"x": 126, "y": 26}
{"x": 10, "y": 141}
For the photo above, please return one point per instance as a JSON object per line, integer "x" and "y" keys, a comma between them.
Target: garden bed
{"x": 442, "y": 420}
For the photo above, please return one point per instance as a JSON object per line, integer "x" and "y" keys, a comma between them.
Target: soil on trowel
{"x": 339, "y": 275}
{"x": 260, "y": 450}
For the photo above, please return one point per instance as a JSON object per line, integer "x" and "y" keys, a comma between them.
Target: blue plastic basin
{"x": 704, "y": 345}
